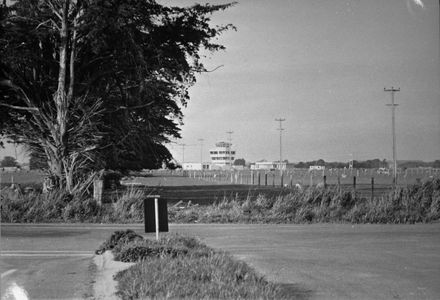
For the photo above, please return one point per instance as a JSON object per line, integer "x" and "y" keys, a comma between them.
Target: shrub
{"x": 129, "y": 207}
{"x": 195, "y": 278}
{"x": 181, "y": 267}
{"x": 118, "y": 238}
{"x": 81, "y": 210}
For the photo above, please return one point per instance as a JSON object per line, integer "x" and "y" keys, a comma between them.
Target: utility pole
{"x": 201, "y": 152}
{"x": 281, "y": 130}
{"x": 229, "y": 146}
{"x": 393, "y": 120}
{"x": 183, "y": 153}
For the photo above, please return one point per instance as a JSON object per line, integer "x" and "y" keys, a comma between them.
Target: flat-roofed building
{"x": 196, "y": 166}
{"x": 222, "y": 155}
{"x": 269, "y": 165}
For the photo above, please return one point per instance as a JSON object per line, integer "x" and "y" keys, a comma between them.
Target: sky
{"x": 322, "y": 66}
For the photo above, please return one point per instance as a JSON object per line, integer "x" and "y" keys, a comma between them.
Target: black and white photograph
{"x": 195, "y": 149}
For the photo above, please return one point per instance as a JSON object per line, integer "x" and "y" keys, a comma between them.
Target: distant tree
{"x": 37, "y": 162}
{"x": 240, "y": 162}
{"x": 301, "y": 165}
{"x": 320, "y": 162}
{"x": 436, "y": 164}
{"x": 8, "y": 161}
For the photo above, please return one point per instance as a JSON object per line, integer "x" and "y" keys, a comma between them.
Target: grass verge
{"x": 415, "y": 204}
{"x": 182, "y": 267}
{"x": 412, "y": 204}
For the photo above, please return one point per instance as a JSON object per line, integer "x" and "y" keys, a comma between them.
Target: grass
{"x": 181, "y": 267}
{"x": 21, "y": 177}
{"x": 412, "y": 204}
{"x": 418, "y": 203}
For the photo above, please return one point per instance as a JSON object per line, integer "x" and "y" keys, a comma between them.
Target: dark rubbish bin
{"x": 150, "y": 215}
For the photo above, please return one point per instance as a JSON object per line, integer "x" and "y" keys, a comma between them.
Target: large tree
{"x": 99, "y": 83}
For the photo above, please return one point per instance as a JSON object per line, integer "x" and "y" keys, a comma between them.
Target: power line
{"x": 281, "y": 130}
{"x": 393, "y": 120}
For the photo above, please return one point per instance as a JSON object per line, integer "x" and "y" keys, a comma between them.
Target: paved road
{"x": 331, "y": 261}
{"x": 51, "y": 261}
{"x": 322, "y": 261}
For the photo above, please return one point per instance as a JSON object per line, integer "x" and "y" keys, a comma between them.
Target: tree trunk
{"x": 61, "y": 104}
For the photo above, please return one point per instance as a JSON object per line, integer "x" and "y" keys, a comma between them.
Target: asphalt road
{"x": 322, "y": 261}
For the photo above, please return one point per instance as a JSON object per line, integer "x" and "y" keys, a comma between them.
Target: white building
{"x": 196, "y": 166}
{"x": 269, "y": 165}
{"x": 222, "y": 155}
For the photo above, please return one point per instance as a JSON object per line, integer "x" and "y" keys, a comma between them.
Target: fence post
{"x": 252, "y": 177}
{"x": 291, "y": 180}
{"x": 273, "y": 179}
{"x": 372, "y": 188}
{"x": 325, "y": 181}
{"x": 98, "y": 186}
{"x": 282, "y": 181}
{"x": 339, "y": 184}
{"x": 265, "y": 179}
{"x": 354, "y": 182}
{"x": 311, "y": 179}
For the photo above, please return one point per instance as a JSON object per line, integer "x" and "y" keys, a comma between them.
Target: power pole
{"x": 393, "y": 120}
{"x": 281, "y": 130}
{"x": 201, "y": 152}
{"x": 183, "y": 153}
{"x": 229, "y": 147}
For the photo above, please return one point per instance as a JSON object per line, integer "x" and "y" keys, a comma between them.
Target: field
{"x": 20, "y": 177}
{"x": 210, "y": 186}
{"x": 215, "y": 201}
{"x": 206, "y": 187}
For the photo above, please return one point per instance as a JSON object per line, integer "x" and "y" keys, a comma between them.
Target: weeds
{"x": 418, "y": 203}
{"x": 413, "y": 204}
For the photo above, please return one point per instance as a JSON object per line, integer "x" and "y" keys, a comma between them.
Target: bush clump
{"x": 118, "y": 239}
{"x": 216, "y": 276}
{"x": 181, "y": 267}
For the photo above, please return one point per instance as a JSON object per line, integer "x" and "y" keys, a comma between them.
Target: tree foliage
{"x": 37, "y": 162}
{"x": 240, "y": 162}
{"x": 8, "y": 161}
{"x": 92, "y": 84}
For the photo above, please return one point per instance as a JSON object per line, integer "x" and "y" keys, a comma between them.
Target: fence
{"x": 360, "y": 179}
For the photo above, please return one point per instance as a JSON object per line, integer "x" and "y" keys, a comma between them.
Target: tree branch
{"x": 20, "y": 107}
{"x": 209, "y": 71}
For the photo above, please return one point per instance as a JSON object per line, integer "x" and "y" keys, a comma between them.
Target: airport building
{"x": 222, "y": 156}
{"x": 196, "y": 166}
{"x": 269, "y": 165}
